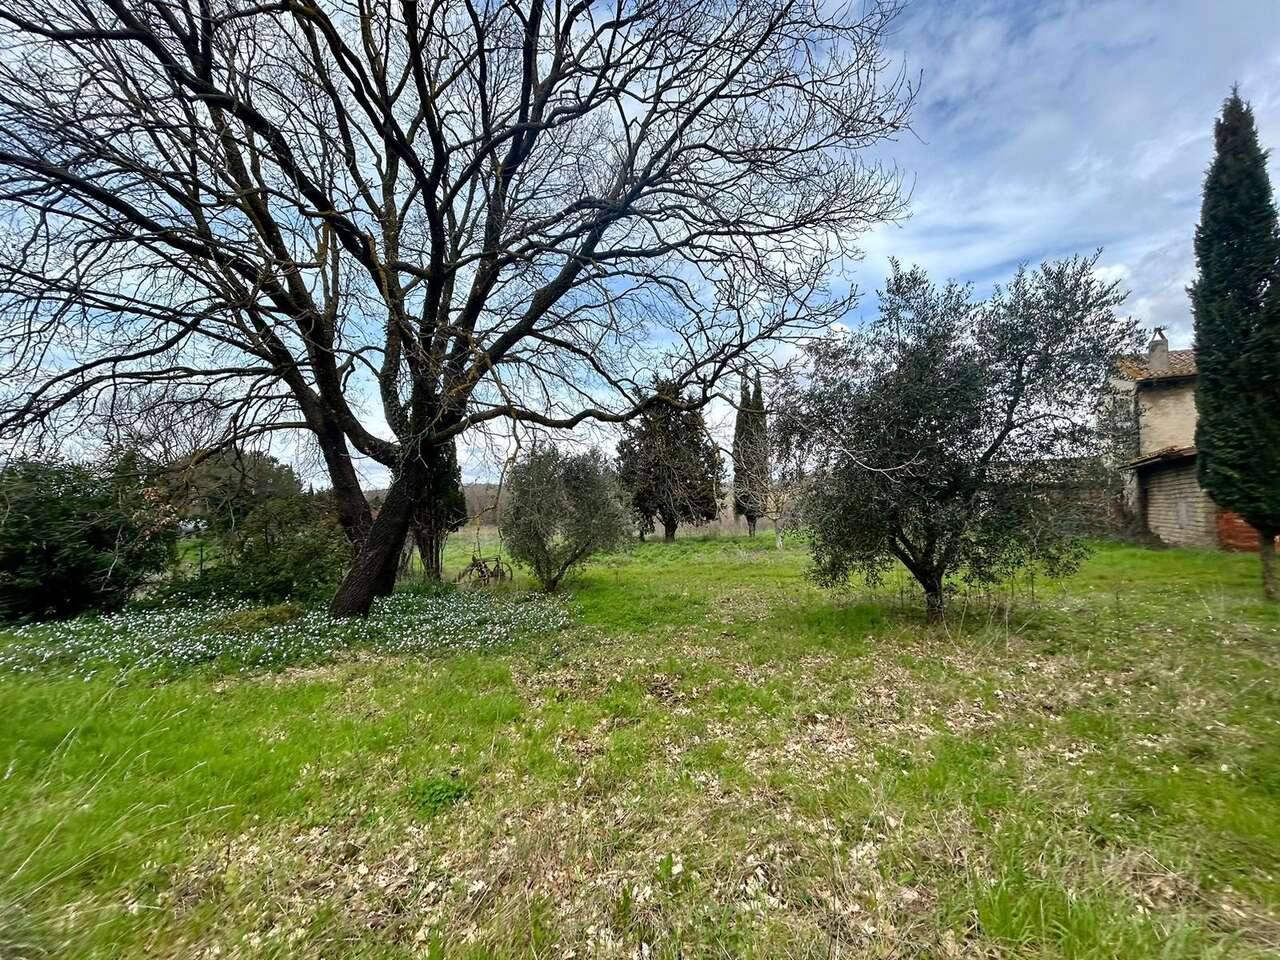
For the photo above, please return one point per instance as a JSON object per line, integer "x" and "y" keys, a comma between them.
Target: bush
{"x": 291, "y": 548}
{"x": 562, "y": 508}
{"x": 258, "y": 618}
{"x": 77, "y": 538}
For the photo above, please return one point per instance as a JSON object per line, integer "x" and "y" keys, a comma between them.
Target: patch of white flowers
{"x": 170, "y": 640}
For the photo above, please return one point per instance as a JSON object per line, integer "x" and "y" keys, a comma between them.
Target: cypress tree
{"x": 1236, "y": 302}
{"x": 744, "y": 504}
{"x": 759, "y": 455}
{"x": 669, "y": 465}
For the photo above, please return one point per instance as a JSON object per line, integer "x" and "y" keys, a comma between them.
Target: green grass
{"x": 716, "y": 759}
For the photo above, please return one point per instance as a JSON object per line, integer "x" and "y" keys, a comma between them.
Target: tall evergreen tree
{"x": 669, "y": 465}
{"x": 743, "y": 501}
{"x": 1236, "y": 302}
{"x": 750, "y": 455}
{"x": 760, "y": 437}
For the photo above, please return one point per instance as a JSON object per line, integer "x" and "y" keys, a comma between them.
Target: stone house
{"x": 1162, "y": 489}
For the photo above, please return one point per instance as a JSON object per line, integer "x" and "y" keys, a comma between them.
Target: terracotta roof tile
{"x": 1182, "y": 363}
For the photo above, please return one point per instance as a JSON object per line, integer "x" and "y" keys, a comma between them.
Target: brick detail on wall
{"x": 1178, "y": 511}
{"x": 1235, "y": 534}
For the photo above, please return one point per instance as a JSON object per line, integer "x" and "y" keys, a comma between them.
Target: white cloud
{"x": 1046, "y": 129}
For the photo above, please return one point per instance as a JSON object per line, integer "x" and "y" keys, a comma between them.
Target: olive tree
{"x": 561, "y": 508}
{"x": 385, "y": 224}
{"x": 953, "y": 436}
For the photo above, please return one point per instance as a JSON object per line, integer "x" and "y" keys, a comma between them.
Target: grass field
{"x": 715, "y": 758}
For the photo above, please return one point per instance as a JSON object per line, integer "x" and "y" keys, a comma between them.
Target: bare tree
{"x": 387, "y": 223}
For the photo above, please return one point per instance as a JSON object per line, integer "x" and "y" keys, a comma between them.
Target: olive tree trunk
{"x": 1267, "y": 553}
{"x": 934, "y": 595}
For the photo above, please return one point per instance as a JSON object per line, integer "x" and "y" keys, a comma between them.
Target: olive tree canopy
{"x": 954, "y": 436}
{"x": 562, "y": 508}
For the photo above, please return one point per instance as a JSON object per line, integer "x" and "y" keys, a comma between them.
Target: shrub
{"x": 258, "y": 618}
{"x": 77, "y": 538}
{"x": 562, "y": 508}
{"x": 290, "y": 548}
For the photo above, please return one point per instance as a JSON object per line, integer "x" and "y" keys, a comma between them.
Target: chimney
{"x": 1158, "y": 353}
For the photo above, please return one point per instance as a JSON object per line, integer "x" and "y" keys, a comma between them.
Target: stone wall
{"x": 1167, "y": 416}
{"x": 1178, "y": 511}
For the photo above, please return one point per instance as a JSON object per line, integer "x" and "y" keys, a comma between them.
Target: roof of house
{"x": 1182, "y": 363}
{"x": 1161, "y": 456}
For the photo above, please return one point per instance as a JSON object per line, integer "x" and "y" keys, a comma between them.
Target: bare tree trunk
{"x": 777, "y": 535}
{"x": 431, "y": 553}
{"x": 1267, "y": 553}
{"x": 751, "y": 526}
{"x": 934, "y": 597}
{"x": 373, "y": 570}
{"x": 669, "y": 530}
{"x": 353, "y": 508}
{"x": 437, "y": 556}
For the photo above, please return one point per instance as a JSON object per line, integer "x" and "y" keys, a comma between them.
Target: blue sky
{"x": 1050, "y": 128}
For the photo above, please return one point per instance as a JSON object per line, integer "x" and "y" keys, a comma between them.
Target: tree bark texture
{"x": 1267, "y": 554}
{"x": 431, "y": 553}
{"x": 934, "y": 596}
{"x": 373, "y": 570}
